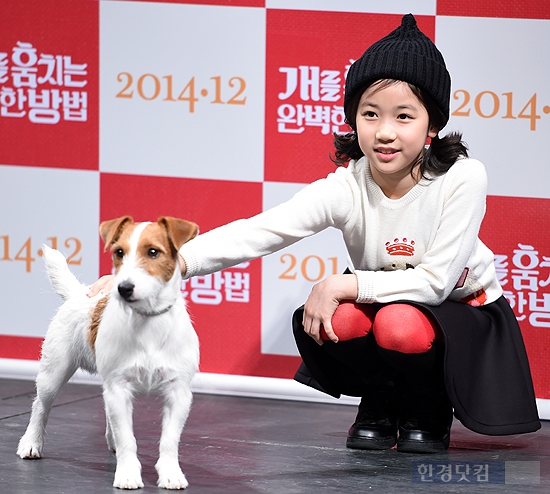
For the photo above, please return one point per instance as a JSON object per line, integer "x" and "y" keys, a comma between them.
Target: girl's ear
{"x": 432, "y": 132}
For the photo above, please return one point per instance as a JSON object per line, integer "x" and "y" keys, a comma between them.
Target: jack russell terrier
{"x": 138, "y": 338}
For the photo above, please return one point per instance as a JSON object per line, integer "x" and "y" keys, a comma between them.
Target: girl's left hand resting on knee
{"x": 323, "y": 301}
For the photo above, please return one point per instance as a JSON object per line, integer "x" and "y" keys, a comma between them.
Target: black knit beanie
{"x": 406, "y": 54}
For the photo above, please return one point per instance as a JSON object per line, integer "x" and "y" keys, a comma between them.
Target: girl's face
{"x": 392, "y": 127}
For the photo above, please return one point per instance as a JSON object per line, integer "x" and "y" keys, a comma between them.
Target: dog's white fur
{"x": 133, "y": 342}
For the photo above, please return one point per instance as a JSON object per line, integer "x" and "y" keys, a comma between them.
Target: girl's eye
{"x": 404, "y": 116}
{"x": 153, "y": 253}
{"x": 119, "y": 253}
{"x": 369, "y": 114}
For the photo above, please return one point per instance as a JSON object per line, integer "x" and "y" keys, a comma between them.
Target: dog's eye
{"x": 153, "y": 253}
{"x": 119, "y": 253}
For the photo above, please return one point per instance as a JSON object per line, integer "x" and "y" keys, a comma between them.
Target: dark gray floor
{"x": 246, "y": 445}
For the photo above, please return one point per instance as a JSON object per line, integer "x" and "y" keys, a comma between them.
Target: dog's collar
{"x": 152, "y": 313}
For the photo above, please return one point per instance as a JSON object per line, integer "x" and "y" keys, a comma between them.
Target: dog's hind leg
{"x": 177, "y": 403}
{"x": 51, "y": 377}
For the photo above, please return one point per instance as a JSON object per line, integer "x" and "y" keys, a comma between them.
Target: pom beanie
{"x": 406, "y": 54}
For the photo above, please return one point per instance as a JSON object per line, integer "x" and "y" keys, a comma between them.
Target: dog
{"x": 138, "y": 338}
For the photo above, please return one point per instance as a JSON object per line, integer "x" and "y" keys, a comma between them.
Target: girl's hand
{"x": 323, "y": 302}
{"x": 103, "y": 285}
{"x": 183, "y": 266}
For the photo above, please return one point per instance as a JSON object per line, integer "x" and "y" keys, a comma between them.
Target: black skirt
{"x": 487, "y": 373}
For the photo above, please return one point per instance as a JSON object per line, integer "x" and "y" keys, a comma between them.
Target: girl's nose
{"x": 385, "y": 133}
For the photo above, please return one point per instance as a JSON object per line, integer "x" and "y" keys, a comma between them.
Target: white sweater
{"x": 432, "y": 229}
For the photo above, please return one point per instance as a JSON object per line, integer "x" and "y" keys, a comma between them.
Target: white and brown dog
{"x": 138, "y": 338}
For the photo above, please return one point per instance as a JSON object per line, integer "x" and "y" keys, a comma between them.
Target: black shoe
{"x": 425, "y": 414}
{"x": 372, "y": 434}
{"x": 426, "y": 425}
{"x": 415, "y": 439}
{"x": 375, "y": 426}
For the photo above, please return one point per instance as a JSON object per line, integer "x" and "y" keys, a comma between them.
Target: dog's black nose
{"x": 126, "y": 290}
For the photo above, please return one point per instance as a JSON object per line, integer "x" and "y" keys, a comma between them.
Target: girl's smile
{"x": 386, "y": 154}
{"x": 392, "y": 128}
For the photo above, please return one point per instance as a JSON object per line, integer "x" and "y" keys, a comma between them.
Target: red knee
{"x": 351, "y": 320}
{"x": 404, "y": 328}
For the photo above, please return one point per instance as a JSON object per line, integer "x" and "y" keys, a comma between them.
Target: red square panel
{"x": 308, "y": 54}
{"x": 512, "y": 230}
{"x": 49, "y": 54}
{"x": 20, "y": 347}
{"x": 229, "y": 331}
{"x": 209, "y": 203}
{"x": 527, "y": 9}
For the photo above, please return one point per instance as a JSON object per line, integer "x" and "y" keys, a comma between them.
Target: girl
{"x": 418, "y": 327}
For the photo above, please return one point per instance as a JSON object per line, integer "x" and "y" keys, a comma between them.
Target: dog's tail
{"x": 63, "y": 281}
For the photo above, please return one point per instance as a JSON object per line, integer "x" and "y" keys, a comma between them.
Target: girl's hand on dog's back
{"x": 103, "y": 285}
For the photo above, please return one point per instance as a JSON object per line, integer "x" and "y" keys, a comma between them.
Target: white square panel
{"x": 182, "y": 90}
{"x": 43, "y": 206}
{"x": 499, "y": 74}
{"x": 289, "y": 275}
{"x": 420, "y": 7}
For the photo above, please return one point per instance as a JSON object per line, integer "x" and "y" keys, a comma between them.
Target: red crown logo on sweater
{"x": 399, "y": 247}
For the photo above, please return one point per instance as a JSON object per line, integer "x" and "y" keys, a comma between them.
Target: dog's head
{"x": 145, "y": 255}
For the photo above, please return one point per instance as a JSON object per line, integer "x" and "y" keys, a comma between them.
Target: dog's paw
{"x": 170, "y": 475}
{"x": 175, "y": 480}
{"x": 128, "y": 475}
{"x": 29, "y": 448}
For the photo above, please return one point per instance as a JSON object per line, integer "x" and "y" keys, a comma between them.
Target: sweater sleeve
{"x": 311, "y": 210}
{"x": 433, "y": 279}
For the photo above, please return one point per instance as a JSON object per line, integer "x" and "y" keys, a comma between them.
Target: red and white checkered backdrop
{"x": 216, "y": 110}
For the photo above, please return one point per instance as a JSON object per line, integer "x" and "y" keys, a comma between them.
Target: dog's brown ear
{"x": 179, "y": 231}
{"x": 110, "y": 230}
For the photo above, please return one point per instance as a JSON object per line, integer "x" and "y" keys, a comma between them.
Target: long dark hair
{"x": 441, "y": 154}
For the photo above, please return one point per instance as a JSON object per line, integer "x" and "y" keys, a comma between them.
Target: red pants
{"x": 399, "y": 327}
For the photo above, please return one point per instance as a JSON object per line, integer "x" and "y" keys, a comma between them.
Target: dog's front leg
{"x": 177, "y": 403}
{"x": 119, "y": 409}
{"x": 109, "y": 433}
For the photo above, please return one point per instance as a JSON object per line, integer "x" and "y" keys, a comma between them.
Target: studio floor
{"x": 242, "y": 445}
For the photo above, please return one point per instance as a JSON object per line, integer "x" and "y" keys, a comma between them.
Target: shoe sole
{"x": 370, "y": 444}
{"x": 414, "y": 446}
